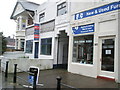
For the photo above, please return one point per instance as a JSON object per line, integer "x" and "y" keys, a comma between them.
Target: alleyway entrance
{"x": 63, "y": 44}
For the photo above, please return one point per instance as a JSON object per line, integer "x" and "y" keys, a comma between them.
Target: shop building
{"x": 94, "y": 41}
{"x": 40, "y": 36}
{"x": 51, "y": 44}
{"x": 62, "y": 25}
{"x": 82, "y": 37}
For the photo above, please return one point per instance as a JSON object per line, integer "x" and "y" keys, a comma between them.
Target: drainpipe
{"x": 58, "y": 50}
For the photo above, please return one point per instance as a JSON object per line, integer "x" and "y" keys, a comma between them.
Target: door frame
{"x": 101, "y": 72}
{"x": 36, "y": 50}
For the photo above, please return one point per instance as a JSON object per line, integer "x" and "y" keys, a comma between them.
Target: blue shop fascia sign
{"x": 99, "y": 10}
{"x": 83, "y": 29}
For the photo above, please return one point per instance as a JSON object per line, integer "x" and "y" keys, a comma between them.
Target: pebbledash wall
{"x": 93, "y": 44}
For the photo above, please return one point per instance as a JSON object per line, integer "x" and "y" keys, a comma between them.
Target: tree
{"x": 0, "y": 43}
{"x": 4, "y": 44}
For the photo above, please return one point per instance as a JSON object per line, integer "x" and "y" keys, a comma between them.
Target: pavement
{"x": 48, "y": 78}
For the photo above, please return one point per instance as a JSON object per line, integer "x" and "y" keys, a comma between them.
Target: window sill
{"x": 75, "y": 63}
{"x": 62, "y": 15}
{"x": 44, "y": 55}
{"x": 19, "y": 30}
{"x": 29, "y": 26}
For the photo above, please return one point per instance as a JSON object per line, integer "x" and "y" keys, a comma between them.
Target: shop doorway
{"x": 62, "y": 56}
{"x": 107, "y": 50}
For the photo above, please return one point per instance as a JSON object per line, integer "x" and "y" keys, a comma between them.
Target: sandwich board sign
{"x": 32, "y": 69}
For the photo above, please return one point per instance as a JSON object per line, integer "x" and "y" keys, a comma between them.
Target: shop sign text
{"x": 99, "y": 10}
{"x": 83, "y": 29}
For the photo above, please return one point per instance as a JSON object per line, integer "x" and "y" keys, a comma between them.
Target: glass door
{"x": 107, "y": 57}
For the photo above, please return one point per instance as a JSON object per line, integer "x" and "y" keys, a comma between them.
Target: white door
{"x": 107, "y": 53}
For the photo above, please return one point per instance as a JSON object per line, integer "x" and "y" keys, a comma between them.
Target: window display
{"x": 83, "y": 49}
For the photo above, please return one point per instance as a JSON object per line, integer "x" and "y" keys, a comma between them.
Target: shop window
{"x": 62, "y": 9}
{"x": 29, "y": 46}
{"x": 41, "y": 17}
{"x": 46, "y": 45}
{"x": 83, "y": 49}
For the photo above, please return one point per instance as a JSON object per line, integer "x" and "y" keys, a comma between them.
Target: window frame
{"x": 76, "y": 51}
{"x": 62, "y": 6}
{"x": 46, "y": 44}
{"x": 41, "y": 16}
{"x": 29, "y": 45}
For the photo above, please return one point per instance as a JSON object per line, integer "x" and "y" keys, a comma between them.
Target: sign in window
{"x": 83, "y": 49}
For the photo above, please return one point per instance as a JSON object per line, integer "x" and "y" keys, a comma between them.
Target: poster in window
{"x": 108, "y": 52}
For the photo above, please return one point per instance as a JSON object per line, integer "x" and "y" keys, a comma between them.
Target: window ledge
{"x": 45, "y": 55}
{"x": 62, "y": 15}
{"x": 29, "y": 26}
{"x": 28, "y": 53}
{"x": 20, "y": 30}
{"x": 74, "y": 63}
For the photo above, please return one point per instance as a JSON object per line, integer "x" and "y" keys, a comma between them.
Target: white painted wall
{"x": 55, "y": 50}
{"x": 50, "y": 11}
{"x": 18, "y": 10}
{"x": 24, "y": 64}
{"x": 20, "y": 33}
{"x": 105, "y": 26}
{"x": 118, "y": 49}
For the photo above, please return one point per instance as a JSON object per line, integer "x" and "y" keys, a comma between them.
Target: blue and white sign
{"x": 31, "y": 77}
{"x": 99, "y": 10}
{"x": 83, "y": 29}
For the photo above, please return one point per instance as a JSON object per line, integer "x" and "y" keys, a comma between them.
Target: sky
{"x": 8, "y": 26}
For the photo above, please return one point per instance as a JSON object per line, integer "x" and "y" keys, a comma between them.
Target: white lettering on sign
{"x": 103, "y": 9}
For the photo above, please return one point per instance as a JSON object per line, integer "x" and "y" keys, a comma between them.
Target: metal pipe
{"x": 6, "y": 70}
{"x": 15, "y": 73}
{"x": 59, "y": 83}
